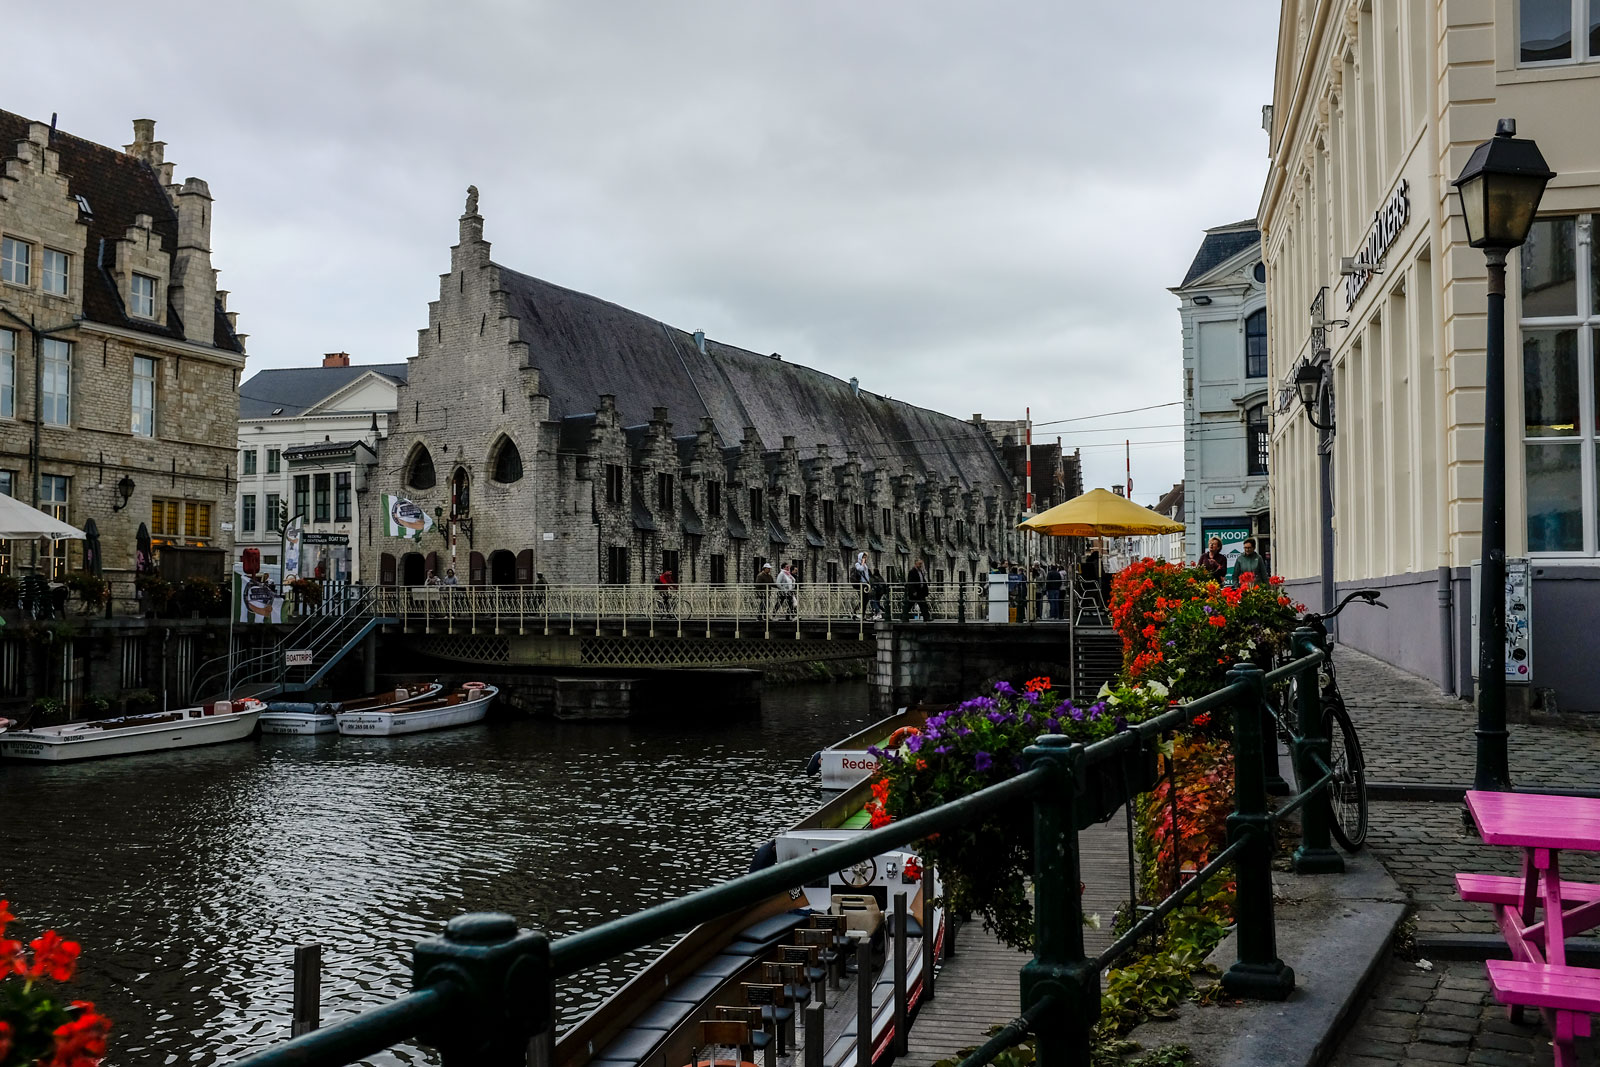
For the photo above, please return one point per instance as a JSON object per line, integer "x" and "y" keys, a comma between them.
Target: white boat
{"x": 467, "y": 704}
{"x": 292, "y": 717}
{"x": 208, "y": 724}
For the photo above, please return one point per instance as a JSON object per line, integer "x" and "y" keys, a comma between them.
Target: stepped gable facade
{"x": 119, "y": 360}
{"x": 557, "y": 434}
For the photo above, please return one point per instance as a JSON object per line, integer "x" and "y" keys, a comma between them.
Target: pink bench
{"x": 1538, "y": 975}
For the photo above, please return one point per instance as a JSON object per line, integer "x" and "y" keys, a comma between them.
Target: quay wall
{"x": 943, "y": 663}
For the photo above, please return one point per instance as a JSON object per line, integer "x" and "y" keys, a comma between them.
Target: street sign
{"x": 316, "y": 538}
{"x": 297, "y": 657}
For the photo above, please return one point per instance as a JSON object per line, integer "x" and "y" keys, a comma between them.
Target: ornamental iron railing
{"x": 483, "y": 992}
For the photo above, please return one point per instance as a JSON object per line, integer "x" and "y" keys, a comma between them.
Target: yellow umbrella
{"x": 1100, "y": 513}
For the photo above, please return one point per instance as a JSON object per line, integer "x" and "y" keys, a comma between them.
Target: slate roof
{"x": 117, "y": 187}
{"x": 1222, "y": 243}
{"x": 584, "y": 346}
{"x": 294, "y": 389}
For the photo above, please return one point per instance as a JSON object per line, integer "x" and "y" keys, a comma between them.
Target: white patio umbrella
{"x": 19, "y": 522}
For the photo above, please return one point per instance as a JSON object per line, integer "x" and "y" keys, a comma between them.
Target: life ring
{"x": 473, "y": 686}
{"x": 900, "y": 735}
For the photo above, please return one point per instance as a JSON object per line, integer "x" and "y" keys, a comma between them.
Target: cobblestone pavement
{"x": 1411, "y": 732}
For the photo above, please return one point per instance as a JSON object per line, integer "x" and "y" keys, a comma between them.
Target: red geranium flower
{"x": 53, "y": 956}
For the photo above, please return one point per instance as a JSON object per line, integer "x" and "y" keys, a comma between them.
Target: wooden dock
{"x": 979, "y": 988}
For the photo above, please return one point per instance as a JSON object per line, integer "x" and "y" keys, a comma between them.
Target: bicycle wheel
{"x": 1347, "y": 793}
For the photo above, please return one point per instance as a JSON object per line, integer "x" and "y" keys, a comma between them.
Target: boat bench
{"x": 758, "y": 937}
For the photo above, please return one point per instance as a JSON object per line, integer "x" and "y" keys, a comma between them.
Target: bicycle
{"x": 1347, "y": 793}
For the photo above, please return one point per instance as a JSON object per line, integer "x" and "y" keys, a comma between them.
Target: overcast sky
{"x": 973, "y": 206}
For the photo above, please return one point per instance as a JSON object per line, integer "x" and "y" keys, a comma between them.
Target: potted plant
{"x": 40, "y": 1022}
{"x": 201, "y": 598}
{"x": 10, "y": 591}
{"x": 986, "y": 865}
{"x": 92, "y": 589}
{"x": 156, "y": 593}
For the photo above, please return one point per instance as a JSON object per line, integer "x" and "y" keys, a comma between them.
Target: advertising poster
{"x": 292, "y": 536}
{"x": 405, "y": 518}
{"x": 1233, "y": 538}
{"x": 255, "y": 600}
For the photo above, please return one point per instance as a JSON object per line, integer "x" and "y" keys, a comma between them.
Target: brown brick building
{"x": 119, "y": 362}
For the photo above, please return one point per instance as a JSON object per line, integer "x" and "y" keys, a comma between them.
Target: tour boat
{"x": 297, "y": 717}
{"x": 208, "y": 724}
{"x": 656, "y": 1017}
{"x": 468, "y": 703}
{"x": 847, "y": 762}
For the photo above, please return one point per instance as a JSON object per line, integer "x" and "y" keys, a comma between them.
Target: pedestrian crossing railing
{"x": 484, "y": 991}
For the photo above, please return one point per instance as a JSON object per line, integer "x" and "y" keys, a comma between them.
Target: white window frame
{"x": 11, "y": 264}
{"x": 145, "y": 427}
{"x": 56, "y": 381}
{"x": 1587, "y": 439}
{"x": 55, "y": 555}
{"x": 63, "y": 276}
{"x": 8, "y": 374}
{"x": 138, "y": 300}
{"x": 1578, "y": 25}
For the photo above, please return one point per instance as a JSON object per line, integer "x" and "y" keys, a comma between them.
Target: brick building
{"x": 575, "y": 439}
{"x": 119, "y": 362}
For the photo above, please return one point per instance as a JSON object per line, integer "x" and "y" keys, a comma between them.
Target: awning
{"x": 19, "y": 522}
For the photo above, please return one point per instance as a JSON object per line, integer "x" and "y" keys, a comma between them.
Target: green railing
{"x": 484, "y": 991}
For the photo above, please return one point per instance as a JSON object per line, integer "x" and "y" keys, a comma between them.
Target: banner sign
{"x": 293, "y": 534}
{"x": 314, "y": 538}
{"x": 405, "y": 518}
{"x": 255, "y": 600}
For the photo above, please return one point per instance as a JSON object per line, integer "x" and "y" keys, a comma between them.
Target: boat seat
{"x": 724, "y": 966}
{"x": 634, "y": 1043}
{"x": 692, "y": 990}
{"x": 664, "y": 1015}
{"x": 768, "y": 932}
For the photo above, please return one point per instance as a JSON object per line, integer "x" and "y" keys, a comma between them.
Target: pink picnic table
{"x": 1537, "y": 974}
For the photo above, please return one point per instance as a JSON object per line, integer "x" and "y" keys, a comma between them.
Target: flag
{"x": 292, "y": 536}
{"x": 255, "y": 601}
{"x": 405, "y": 518}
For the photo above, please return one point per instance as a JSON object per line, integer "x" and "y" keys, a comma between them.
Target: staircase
{"x": 328, "y": 635}
{"x": 1096, "y": 659}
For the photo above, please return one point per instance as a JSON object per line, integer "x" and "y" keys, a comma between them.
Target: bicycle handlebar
{"x": 1371, "y": 596}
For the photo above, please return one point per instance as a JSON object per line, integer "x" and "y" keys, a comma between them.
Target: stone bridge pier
{"x": 946, "y": 662}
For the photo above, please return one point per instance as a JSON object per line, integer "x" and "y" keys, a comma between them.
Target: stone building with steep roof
{"x": 556, "y": 434}
{"x": 119, "y": 361}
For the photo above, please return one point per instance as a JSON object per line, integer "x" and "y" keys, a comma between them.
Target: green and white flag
{"x": 255, "y": 600}
{"x": 405, "y": 518}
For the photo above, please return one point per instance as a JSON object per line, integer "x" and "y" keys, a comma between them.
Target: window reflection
{"x": 1546, "y": 30}
{"x": 1550, "y": 268}
{"x": 1555, "y": 497}
{"x": 1550, "y": 393}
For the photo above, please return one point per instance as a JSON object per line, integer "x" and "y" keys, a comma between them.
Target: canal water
{"x": 189, "y": 877}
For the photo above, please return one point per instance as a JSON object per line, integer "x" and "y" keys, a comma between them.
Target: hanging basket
{"x": 1110, "y": 784}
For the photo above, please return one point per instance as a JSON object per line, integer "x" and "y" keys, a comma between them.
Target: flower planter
{"x": 1110, "y": 784}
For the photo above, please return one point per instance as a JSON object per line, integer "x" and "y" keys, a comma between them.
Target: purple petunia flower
{"x": 1054, "y": 725}
{"x": 1077, "y": 714}
{"x": 1031, "y": 697}
{"x": 982, "y": 761}
{"x": 874, "y": 750}
{"x": 914, "y": 743}
{"x": 963, "y": 731}
{"x": 1121, "y": 724}
{"x": 944, "y": 750}
{"x": 1172, "y": 644}
{"x": 998, "y": 717}
{"x": 1004, "y": 689}
{"x": 1207, "y": 608}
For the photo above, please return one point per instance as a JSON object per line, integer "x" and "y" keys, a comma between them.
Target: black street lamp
{"x": 1314, "y": 382}
{"x": 1499, "y": 190}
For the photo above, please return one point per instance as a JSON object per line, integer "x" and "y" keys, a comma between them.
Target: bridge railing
{"x": 483, "y": 992}
{"x": 554, "y": 608}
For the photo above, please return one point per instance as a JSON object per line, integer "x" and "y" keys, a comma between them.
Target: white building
{"x": 1376, "y": 106}
{"x": 307, "y": 443}
{"x": 1226, "y": 392}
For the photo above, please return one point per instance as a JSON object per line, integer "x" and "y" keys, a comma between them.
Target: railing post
{"x": 901, "y": 1011}
{"x": 1272, "y": 775}
{"x": 504, "y": 983}
{"x": 863, "y": 949}
{"x": 961, "y": 602}
{"x": 1316, "y": 854}
{"x": 1058, "y": 968}
{"x": 1258, "y": 972}
{"x": 814, "y": 1036}
{"x": 929, "y": 943}
{"x": 307, "y": 1013}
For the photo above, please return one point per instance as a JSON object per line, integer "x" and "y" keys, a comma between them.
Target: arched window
{"x": 1255, "y": 345}
{"x": 507, "y": 463}
{"x": 420, "y": 475}
{"x": 460, "y": 494}
{"x": 1257, "y": 444}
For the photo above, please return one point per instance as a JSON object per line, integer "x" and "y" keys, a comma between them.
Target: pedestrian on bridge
{"x": 917, "y": 589}
{"x": 764, "y": 586}
{"x": 786, "y": 591}
{"x": 861, "y": 578}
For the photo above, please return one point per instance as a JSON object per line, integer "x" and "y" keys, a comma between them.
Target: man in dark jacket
{"x": 917, "y": 590}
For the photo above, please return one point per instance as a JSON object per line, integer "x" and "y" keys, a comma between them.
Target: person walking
{"x": 1214, "y": 561}
{"x": 861, "y": 578}
{"x": 1250, "y": 563}
{"x": 1052, "y": 590}
{"x": 764, "y": 587}
{"x": 664, "y": 587}
{"x": 880, "y": 596}
{"x": 786, "y": 586}
{"x": 917, "y": 589}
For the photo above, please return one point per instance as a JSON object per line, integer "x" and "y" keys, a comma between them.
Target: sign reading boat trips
{"x": 297, "y": 657}
{"x": 1387, "y": 223}
{"x": 405, "y": 518}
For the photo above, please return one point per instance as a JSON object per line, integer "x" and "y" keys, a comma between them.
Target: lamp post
{"x": 1314, "y": 383}
{"x": 1499, "y": 189}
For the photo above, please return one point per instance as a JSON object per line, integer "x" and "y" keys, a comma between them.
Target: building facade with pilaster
{"x": 1376, "y": 106}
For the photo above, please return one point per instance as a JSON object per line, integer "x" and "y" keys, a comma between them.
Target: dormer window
{"x": 143, "y": 296}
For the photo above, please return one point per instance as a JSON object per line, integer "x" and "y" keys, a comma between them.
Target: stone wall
{"x": 944, "y": 663}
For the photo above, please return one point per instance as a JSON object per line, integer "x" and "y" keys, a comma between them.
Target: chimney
{"x": 700, "y": 341}
{"x": 194, "y": 283}
{"x": 336, "y": 359}
{"x": 145, "y": 147}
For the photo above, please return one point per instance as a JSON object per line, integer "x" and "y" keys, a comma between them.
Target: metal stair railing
{"x": 313, "y": 631}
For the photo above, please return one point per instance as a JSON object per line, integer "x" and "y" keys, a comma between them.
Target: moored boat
{"x": 465, "y": 704}
{"x": 847, "y": 762}
{"x": 300, "y": 717}
{"x": 208, "y": 724}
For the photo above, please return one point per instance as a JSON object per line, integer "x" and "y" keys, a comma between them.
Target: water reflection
{"x": 190, "y": 876}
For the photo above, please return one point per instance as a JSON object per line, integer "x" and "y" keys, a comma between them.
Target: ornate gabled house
{"x": 546, "y": 428}
{"x": 119, "y": 361}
